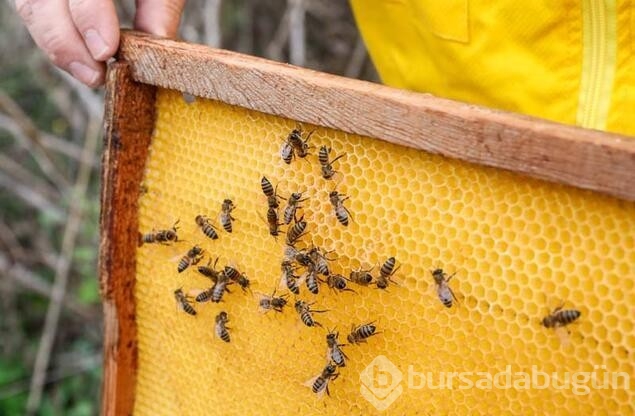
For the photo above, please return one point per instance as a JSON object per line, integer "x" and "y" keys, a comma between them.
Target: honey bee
{"x": 183, "y": 303}
{"x": 320, "y": 383}
{"x": 286, "y": 152}
{"x": 327, "y": 166}
{"x": 271, "y": 302}
{"x": 210, "y": 272}
{"x": 216, "y": 292}
{"x": 296, "y": 232}
{"x": 312, "y": 281}
{"x": 560, "y": 317}
{"x": 192, "y": 257}
{"x": 238, "y": 277}
{"x": 204, "y": 295}
{"x": 444, "y": 291}
{"x": 301, "y": 147}
{"x": 293, "y": 204}
{"x": 320, "y": 259}
{"x": 337, "y": 281}
{"x": 221, "y": 329}
{"x": 361, "y": 277}
{"x": 386, "y": 272}
{"x": 288, "y": 279}
{"x": 302, "y": 257}
{"x": 226, "y": 216}
{"x": 220, "y": 287}
{"x": 289, "y": 253}
{"x": 341, "y": 212}
{"x": 272, "y": 220}
{"x": 334, "y": 352}
{"x": 205, "y": 224}
{"x": 160, "y": 236}
{"x": 361, "y": 333}
{"x": 306, "y": 313}
{"x": 270, "y": 192}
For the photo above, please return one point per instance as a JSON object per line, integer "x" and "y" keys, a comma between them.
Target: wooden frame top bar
{"x": 583, "y": 158}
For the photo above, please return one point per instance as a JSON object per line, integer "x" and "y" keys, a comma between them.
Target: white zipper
{"x": 599, "y": 27}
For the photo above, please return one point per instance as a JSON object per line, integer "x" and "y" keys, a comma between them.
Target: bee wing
{"x": 176, "y": 258}
{"x": 320, "y": 394}
{"x": 302, "y": 278}
{"x": 396, "y": 283}
{"x": 232, "y": 263}
{"x": 263, "y": 219}
{"x": 563, "y": 335}
{"x": 309, "y": 382}
{"x": 262, "y": 310}
{"x": 433, "y": 290}
{"x": 342, "y": 345}
{"x": 285, "y": 147}
{"x": 259, "y": 297}
{"x": 217, "y": 330}
{"x": 289, "y": 252}
{"x": 193, "y": 293}
{"x": 444, "y": 294}
{"x": 329, "y": 352}
{"x": 283, "y": 281}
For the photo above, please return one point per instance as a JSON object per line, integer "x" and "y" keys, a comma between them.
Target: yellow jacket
{"x": 568, "y": 61}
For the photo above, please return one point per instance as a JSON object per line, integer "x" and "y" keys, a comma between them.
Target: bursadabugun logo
{"x": 381, "y": 382}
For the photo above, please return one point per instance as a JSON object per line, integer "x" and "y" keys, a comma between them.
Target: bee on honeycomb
{"x": 160, "y": 236}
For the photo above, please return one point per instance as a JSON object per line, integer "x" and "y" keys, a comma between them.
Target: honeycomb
{"x": 519, "y": 247}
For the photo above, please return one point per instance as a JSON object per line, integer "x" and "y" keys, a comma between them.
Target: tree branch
{"x": 211, "y": 23}
{"x": 31, "y": 141}
{"x": 297, "y": 44}
{"x": 32, "y": 198}
{"x": 34, "y": 283}
{"x": 62, "y": 270}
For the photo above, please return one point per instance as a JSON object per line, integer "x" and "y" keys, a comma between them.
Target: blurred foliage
{"x": 49, "y": 128}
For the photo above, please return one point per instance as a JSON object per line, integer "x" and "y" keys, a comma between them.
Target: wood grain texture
{"x": 579, "y": 157}
{"x": 129, "y": 121}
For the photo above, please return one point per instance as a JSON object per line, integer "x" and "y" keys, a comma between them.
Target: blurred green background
{"x": 50, "y": 146}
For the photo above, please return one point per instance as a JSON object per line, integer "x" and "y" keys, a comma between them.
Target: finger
{"x": 53, "y": 30}
{"x": 96, "y": 21}
{"x": 159, "y": 17}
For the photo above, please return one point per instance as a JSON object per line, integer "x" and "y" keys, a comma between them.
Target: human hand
{"x": 79, "y": 36}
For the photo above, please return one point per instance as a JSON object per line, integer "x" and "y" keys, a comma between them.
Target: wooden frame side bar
{"x": 555, "y": 152}
{"x": 129, "y": 122}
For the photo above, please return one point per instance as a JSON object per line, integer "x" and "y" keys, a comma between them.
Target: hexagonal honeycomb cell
{"x": 517, "y": 247}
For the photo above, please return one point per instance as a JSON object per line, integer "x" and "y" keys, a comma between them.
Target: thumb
{"x": 159, "y": 17}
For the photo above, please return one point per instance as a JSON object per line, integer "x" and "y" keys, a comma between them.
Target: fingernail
{"x": 84, "y": 73}
{"x": 96, "y": 44}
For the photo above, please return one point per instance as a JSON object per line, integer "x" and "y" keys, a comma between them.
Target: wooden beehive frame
{"x": 593, "y": 160}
